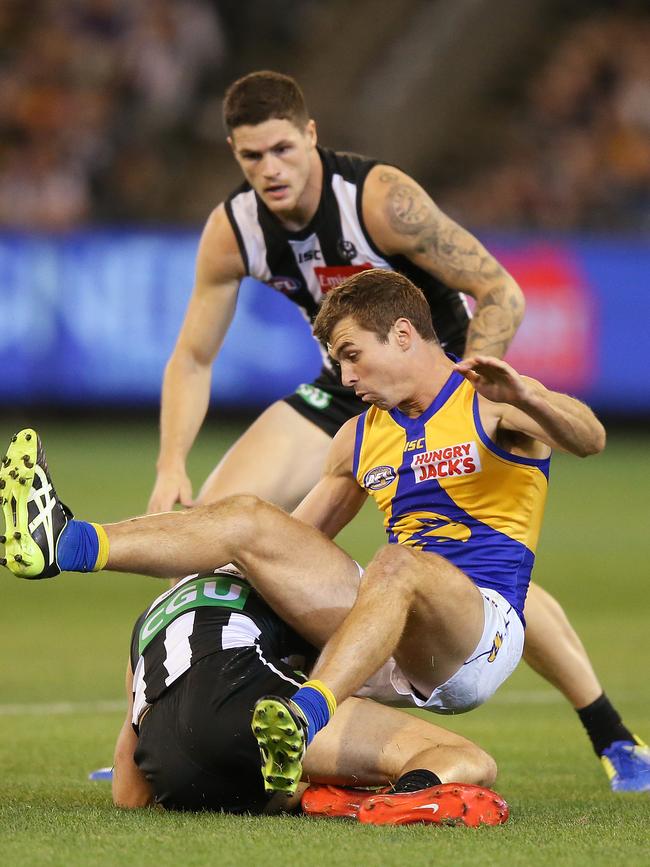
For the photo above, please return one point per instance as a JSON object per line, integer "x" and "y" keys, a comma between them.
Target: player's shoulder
{"x": 219, "y": 257}
{"x": 395, "y": 207}
{"x": 218, "y": 225}
{"x": 348, "y": 429}
{"x": 383, "y": 177}
{"x": 352, "y": 167}
{"x": 343, "y": 444}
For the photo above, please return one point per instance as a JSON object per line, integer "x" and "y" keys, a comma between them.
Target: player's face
{"x": 375, "y": 370}
{"x": 277, "y": 159}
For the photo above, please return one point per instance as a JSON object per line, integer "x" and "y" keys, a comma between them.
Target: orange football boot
{"x": 447, "y": 804}
{"x": 335, "y": 801}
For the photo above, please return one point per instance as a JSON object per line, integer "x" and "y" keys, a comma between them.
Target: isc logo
{"x": 412, "y": 445}
{"x": 309, "y": 256}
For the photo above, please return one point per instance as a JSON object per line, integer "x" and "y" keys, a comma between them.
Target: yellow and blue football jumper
{"x": 445, "y": 487}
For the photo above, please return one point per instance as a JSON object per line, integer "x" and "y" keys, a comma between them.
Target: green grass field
{"x": 63, "y": 646}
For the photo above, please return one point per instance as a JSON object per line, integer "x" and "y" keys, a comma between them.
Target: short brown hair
{"x": 375, "y": 299}
{"x": 260, "y": 96}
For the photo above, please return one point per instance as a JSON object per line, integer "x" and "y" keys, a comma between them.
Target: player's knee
{"x": 486, "y": 767}
{"x": 393, "y": 559}
{"x": 479, "y": 768}
{"x": 242, "y": 504}
{"x": 240, "y": 514}
{"x": 392, "y": 565}
{"x": 402, "y": 567}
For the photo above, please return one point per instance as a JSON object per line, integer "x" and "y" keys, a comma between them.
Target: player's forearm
{"x": 498, "y": 313}
{"x": 185, "y": 400}
{"x": 568, "y": 422}
{"x": 130, "y": 788}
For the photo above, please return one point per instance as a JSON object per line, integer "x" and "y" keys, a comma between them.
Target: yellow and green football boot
{"x": 280, "y": 729}
{"x": 33, "y": 514}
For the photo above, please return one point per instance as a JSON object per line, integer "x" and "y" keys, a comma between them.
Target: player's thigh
{"x": 279, "y": 458}
{"x": 306, "y": 578}
{"x": 368, "y": 744}
{"x": 445, "y": 621}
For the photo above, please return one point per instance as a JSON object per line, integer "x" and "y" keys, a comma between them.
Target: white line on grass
{"x": 63, "y": 708}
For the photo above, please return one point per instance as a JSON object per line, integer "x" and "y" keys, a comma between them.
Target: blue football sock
{"x": 78, "y": 547}
{"x": 313, "y": 704}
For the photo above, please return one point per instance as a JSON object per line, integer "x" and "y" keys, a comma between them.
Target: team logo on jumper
{"x": 224, "y": 591}
{"x": 379, "y": 477}
{"x": 286, "y": 285}
{"x": 459, "y": 460}
{"x": 315, "y": 397}
{"x": 421, "y": 529}
{"x": 346, "y": 249}
{"x": 496, "y": 644}
{"x": 330, "y": 276}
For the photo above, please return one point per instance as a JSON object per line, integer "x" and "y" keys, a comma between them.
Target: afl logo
{"x": 346, "y": 249}
{"x": 378, "y": 478}
{"x": 288, "y": 285}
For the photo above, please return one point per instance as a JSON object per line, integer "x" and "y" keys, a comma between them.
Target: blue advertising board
{"x": 91, "y": 318}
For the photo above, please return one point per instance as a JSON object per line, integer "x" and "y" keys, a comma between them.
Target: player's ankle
{"x": 603, "y": 724}
{"x": 82, "y": 547}
{"x": 317, "y": 704}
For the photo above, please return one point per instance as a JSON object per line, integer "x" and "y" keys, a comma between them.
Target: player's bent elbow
{"x": 130, "y": 791}
{"x": 133, "y": 801}
{"x": 596, "y": 443}
{"x": 600, "y": 440}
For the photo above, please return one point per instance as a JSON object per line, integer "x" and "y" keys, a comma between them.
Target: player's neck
{"x": 303, "y": 212}
{"x": 428, "y": 379}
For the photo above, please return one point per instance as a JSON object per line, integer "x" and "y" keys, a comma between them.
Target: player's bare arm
{"x": 130, "y": 786}
{"x": 337, "y": 497}
{"x": 524, "y": 406}
{"x": 186, "y": 385}
{"x": 403, "y": 220}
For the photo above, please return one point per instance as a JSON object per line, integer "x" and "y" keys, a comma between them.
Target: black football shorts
{"x": 195, "y": 744}
{"x": 326, "y": 402}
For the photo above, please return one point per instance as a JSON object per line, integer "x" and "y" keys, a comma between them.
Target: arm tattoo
{"x": 460, "y": 261}
{"x": 407, "y": 209}
{"x": 496, "y": 318}
{"x": 454, "y": 256}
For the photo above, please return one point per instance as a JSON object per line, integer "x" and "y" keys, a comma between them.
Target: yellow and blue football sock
{"x": 317, "y": 704}
{"x": 82, "y": 547}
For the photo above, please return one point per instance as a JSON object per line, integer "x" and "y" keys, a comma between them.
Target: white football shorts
{"x": 491, "y": 663}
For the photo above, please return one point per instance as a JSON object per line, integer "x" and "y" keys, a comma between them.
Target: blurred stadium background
{"x": 528, "y": 122}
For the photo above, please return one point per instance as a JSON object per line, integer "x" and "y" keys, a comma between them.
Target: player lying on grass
{"x": 201, "y": 656}
{"x": 457, "y": 457}
{"x": 205, "y": 651}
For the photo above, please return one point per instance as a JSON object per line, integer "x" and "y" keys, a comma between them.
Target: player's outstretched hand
{"x": 170, "y": 488}
{"x": 494, "y": 379}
